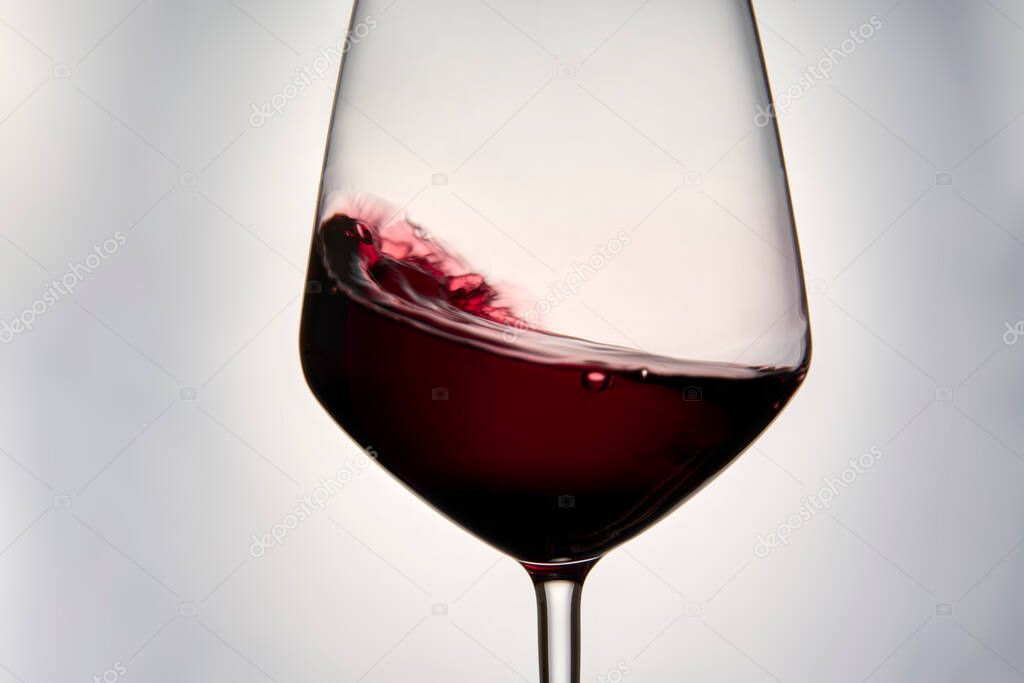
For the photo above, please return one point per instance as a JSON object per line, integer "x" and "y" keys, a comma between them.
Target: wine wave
{"x": 373, "y": 253}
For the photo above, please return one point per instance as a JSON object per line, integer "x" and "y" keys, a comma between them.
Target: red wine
{"x": 550, "y": 448}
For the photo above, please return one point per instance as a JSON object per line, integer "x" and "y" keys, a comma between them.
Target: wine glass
{"x": 554, "y": 281}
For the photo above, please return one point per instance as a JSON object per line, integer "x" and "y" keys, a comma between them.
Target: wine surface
{"x": 550, "y": 448}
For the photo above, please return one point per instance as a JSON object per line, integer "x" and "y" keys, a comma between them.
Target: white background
{"x": 127, "y": 506}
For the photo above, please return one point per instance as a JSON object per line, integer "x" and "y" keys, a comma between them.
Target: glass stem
{"x": 559, "y": 588}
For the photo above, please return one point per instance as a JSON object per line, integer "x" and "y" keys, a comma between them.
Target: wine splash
{"x": 551, "y": 448}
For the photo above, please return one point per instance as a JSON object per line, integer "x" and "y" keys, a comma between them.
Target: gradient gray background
{"x": 128, "y": 506}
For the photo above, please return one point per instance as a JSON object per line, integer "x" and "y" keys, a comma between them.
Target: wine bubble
{"x": 596, "y": 380}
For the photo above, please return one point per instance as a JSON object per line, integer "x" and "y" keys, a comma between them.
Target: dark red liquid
{"x": 549, "y": 460}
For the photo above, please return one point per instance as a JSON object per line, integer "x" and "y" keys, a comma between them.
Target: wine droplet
{"x": 596, "y": 380}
